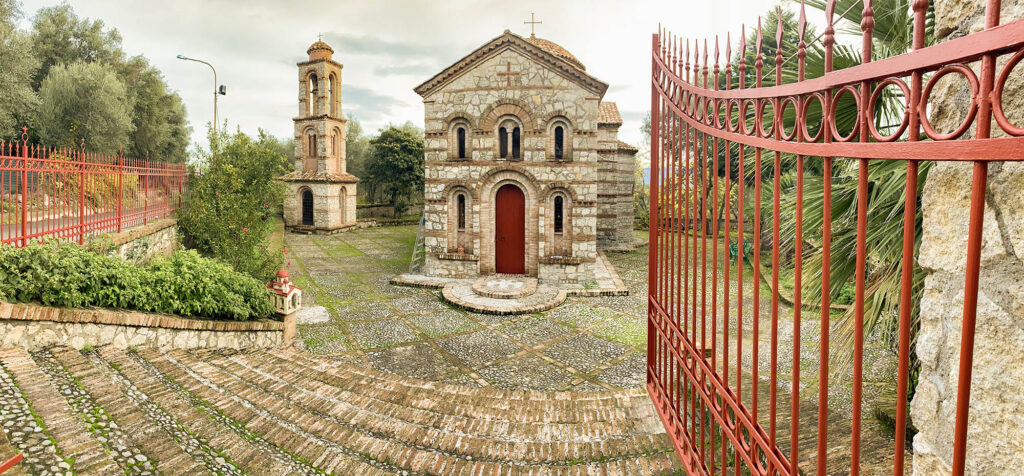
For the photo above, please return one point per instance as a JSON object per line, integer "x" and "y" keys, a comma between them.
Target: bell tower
{"x": 320, "y": 125}
{"x": 322, "y": 194}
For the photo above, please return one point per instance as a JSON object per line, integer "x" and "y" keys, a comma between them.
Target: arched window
{"x": 462, "y": 211}
{"x": 334, "y": 145}
{"x": 503, "y": 142}
{"x": 312, "y": 145}
{"x": 558, "y": 214}
{"x": 515, "y": 143}
{"x": 559, "y": 142}
{"x": 461, "y": 133}
{"x": 314, "y": 108}
{"x": 330, "y": 94}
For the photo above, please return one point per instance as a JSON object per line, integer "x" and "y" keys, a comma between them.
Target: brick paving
{"x": 413, "y": 332}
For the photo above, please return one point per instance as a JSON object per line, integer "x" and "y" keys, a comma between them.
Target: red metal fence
{"x": 710, "y": 394}
{"x": 67, "y": 193}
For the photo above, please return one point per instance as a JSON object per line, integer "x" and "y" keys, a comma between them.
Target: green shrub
{"x": 232, "y": 197}
{"x": 67, "y": 275}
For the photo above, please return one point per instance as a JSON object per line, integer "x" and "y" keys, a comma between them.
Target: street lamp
{"x": 216, "y": 91}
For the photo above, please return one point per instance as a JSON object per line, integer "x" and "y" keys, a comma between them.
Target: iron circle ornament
{"x": 922, "y": 110}
{"x": 997, "y": 97}
{"x": 720, "y": 118}
{"x": 698, "y": 113}
{"x": 709, "y": 112}
{"x": 759, "y": 117}
{"x": 783, "y": 104}
{"x": 732, "y": 107}
{"x": 802, "y": 120}
{"x": 831, "y": 119}
{"x": 877, "y": 93}
{"x": 741, "y": 120}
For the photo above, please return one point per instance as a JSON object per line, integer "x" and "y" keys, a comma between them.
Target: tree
{"x": 18, "y": 100}
{"x": 60, "y": 37}
{"x": 357, "y": 148}
{"x": 396, "y": 164}
{"x": 84, "y": 100}
{"x": 232, "y": 198}
{"x": 161, "y": 129}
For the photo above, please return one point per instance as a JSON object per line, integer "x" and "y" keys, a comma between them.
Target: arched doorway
{"x": 510, "y": 230}
{"x": 307, "y": 207}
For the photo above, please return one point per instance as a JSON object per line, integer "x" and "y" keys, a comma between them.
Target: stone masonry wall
{"x": 34, "y": 327}
{"x": 995, "y": 441}
{"x": 142, "y": 244}
{"x": 538, "y": 95}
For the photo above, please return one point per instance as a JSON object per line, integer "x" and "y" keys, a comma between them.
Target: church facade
{"x": 524, "y": 171}
{"x": 321, "y": 195}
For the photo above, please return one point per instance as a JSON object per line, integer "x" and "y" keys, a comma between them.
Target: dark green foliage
{"x": 396, "y": 164}
{"x": 67, "y": 275}
{"x": 135, "y": 108}
{"x": 232, "y": 198}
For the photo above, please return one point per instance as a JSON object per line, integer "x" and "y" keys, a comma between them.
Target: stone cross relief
{"x": 508, "y": 74}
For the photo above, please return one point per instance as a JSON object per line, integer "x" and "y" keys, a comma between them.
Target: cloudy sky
{"x": 387, "y": 46}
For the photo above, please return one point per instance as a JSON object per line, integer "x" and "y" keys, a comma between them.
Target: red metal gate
{"x": 709, "y": 395}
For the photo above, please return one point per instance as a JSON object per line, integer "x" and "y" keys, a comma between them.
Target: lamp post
{"x": 216, "y": 91}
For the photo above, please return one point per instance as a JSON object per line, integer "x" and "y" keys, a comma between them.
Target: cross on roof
{"x": 319, "y": 37}
{"x": 533, "y": 23}
{"x": 508, "y": 74}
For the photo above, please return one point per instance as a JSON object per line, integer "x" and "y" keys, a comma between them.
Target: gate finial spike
{"x": 24, "y": 134}
{"x": 778, "y": 31}
{"x": 867, "y": 26}
{"x": 81, "y": 145}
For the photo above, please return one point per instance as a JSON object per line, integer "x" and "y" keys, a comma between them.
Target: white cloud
{"x": 387, "y": 47}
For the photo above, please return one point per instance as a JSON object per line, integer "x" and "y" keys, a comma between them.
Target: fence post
{"x": 81, "y": 193}
{"x": 24, "y": 186}
{"x": 120, "y": 185}
{"x": 145, "y": 192}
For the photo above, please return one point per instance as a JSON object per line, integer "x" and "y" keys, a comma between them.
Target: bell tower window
{"x": 503, "y": 142}
{"x": 314, "y": 108}
{"x": 515, "y": 143}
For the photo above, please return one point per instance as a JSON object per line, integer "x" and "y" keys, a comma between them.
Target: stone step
{"x": 283, "y": 433}
{"x": 482, "y": 439}
{"x": 541, "y": 405}
{"x": 74, "y": 442}
{"x": 402, "y": 445}
{"x": 464, "y": 404}
{"x": 249, "y": 451}
{"x": 310, "y": 381}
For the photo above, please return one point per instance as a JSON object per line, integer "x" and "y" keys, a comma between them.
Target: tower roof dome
{"x": 319, "y": 50}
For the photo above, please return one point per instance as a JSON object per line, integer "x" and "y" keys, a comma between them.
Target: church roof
{"x": 542, "y": 51}
{"x": 608, "y": 113}
{"x": 557, "y": 50}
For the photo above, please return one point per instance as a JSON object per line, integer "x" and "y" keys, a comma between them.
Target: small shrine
{"x": 286, "y": 297}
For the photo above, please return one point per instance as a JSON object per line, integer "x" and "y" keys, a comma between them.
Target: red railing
{"x": 6, "y": 465}
{"x": 68, "y": 193}
{"x": 708, "y": 129}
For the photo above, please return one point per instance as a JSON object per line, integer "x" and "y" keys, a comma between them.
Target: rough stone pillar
{"x": 995, "y": 442}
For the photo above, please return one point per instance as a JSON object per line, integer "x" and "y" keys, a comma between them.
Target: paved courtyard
{"x": 587, "y": 343}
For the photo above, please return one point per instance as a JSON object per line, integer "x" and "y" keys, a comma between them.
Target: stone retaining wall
{"x": 33, "y": 327}
{"x": 142, "y": 244}
{"x": 995, "y": 437}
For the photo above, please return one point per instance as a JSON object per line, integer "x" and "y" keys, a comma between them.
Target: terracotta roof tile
{"x": 608, "y": 113}
{"x": 626, "y": 146}
{"x": 557, "y": 50}
{"x": 297, "y": 176}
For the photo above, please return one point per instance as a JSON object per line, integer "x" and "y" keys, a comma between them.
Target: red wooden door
{"x": 510, "y": 231}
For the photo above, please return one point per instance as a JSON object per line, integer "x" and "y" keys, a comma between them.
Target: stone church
{"x": 524, "y": 170}
{"x": 321, "y": 196}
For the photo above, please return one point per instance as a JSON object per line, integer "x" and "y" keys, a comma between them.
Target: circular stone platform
{"x": 500, "y": 294}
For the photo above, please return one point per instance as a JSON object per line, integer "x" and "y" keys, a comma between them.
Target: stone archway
{"x": 306, "y": 196}
{"x": 491, "y": 183}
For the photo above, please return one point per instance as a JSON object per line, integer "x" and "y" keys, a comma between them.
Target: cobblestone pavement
{"x": 587, "y": 343}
